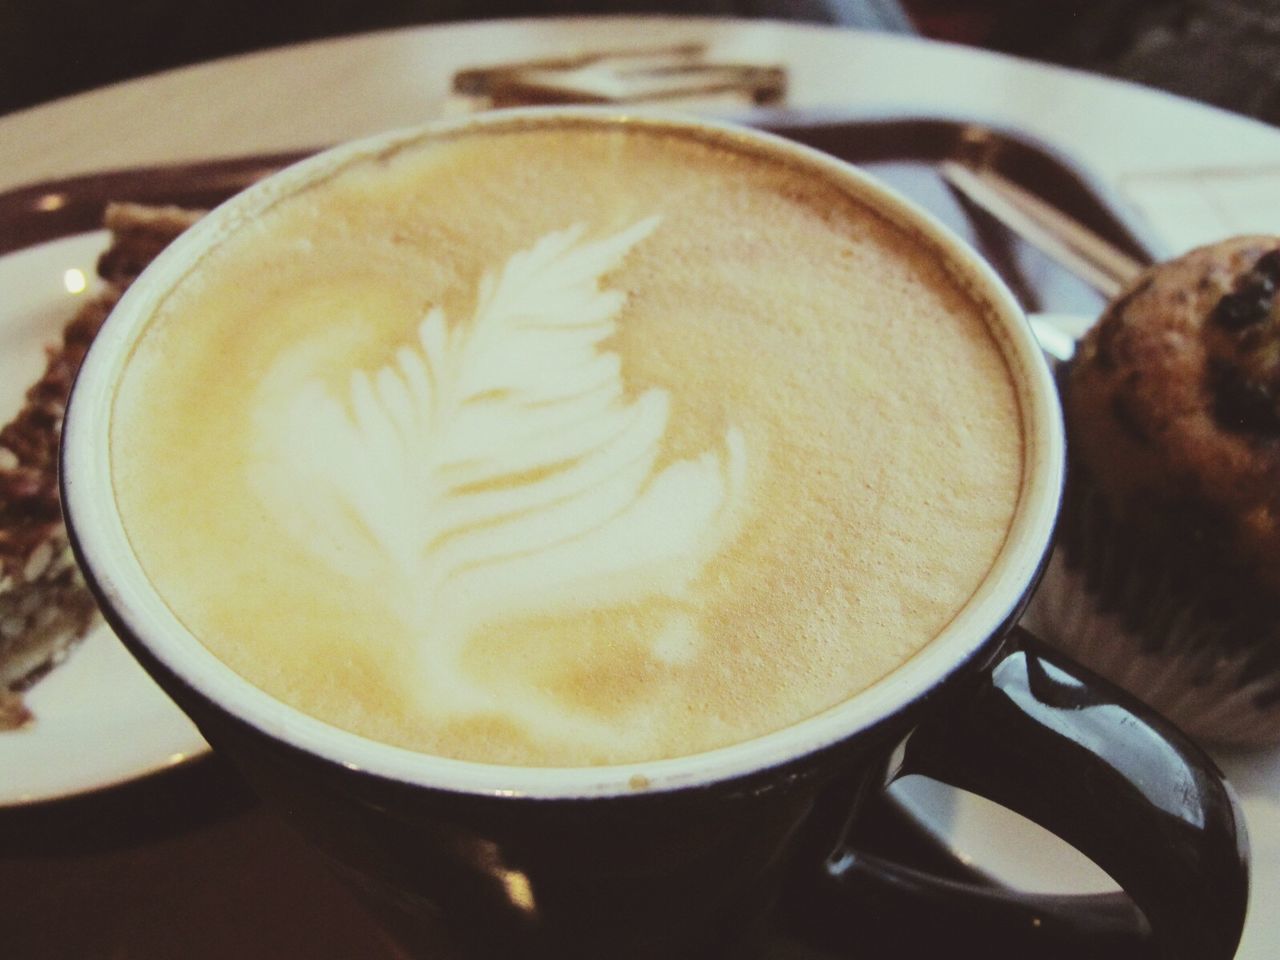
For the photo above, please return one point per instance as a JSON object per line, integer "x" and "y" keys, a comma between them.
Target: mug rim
{"x": 103, "y": 548}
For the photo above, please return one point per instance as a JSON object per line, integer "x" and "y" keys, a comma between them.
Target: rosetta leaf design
{"x": 497, "y": 468}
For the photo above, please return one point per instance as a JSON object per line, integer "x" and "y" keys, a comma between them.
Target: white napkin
{"x": 1189, "y": 208}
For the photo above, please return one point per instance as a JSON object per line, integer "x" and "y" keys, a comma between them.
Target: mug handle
{"x": 1046, "y": 739}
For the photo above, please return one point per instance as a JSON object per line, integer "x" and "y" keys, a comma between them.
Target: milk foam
{"x": 417, "y": 456}
{"x": 497, "y": 470}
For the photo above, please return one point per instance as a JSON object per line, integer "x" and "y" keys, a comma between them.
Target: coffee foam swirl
{"x": 497, "y": 470}
{"x": 780, "y": 428}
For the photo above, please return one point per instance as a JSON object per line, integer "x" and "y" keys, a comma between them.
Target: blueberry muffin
{"x": 1166, "y": 577}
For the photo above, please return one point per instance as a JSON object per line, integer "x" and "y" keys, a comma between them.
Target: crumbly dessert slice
{"x": 45, "y": 606}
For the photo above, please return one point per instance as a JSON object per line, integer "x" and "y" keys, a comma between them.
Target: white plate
{"x": 100, "y": 720}
{"x": 1016, "y": 852}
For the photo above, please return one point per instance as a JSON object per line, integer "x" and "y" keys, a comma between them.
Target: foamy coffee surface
{"x": 567, "y": 445}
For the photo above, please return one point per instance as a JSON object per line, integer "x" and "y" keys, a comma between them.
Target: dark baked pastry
{"x": 44, "y": 605}
{"x": 1167, "y": 574}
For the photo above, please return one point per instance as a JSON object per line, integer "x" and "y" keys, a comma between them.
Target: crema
{"x": 567, "y": 444}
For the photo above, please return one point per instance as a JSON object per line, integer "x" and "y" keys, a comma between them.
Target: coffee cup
{"x": 551, "y": 510}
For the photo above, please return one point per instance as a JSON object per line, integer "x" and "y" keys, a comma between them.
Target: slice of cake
{"x": 44, "y": 604}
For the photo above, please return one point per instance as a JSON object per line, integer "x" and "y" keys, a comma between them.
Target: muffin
{"x": 1166, "y": 575}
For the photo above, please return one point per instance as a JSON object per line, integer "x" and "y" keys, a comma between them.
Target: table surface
{"x": 149, "y": 870}
{"x": 334, "y": 90}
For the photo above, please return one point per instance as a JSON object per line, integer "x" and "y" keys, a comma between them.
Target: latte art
{"x": 497, "y": 470}
{"x": 566, "y": 443}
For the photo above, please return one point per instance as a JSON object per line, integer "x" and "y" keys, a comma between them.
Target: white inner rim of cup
{"x": 91, "y": 509}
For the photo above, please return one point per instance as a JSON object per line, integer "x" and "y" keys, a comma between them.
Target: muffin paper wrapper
{"x": 1176, "y": 634}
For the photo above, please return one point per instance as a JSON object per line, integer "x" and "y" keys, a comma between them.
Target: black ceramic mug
{"x": 689, "y": 856}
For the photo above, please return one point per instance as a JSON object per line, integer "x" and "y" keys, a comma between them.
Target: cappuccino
{"x": 567, "y": 443}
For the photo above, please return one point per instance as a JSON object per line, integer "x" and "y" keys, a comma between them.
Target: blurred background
{"x": 1223, "y": 52}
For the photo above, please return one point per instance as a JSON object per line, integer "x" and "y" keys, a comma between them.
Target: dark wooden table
{"x": 182, "y": 864}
